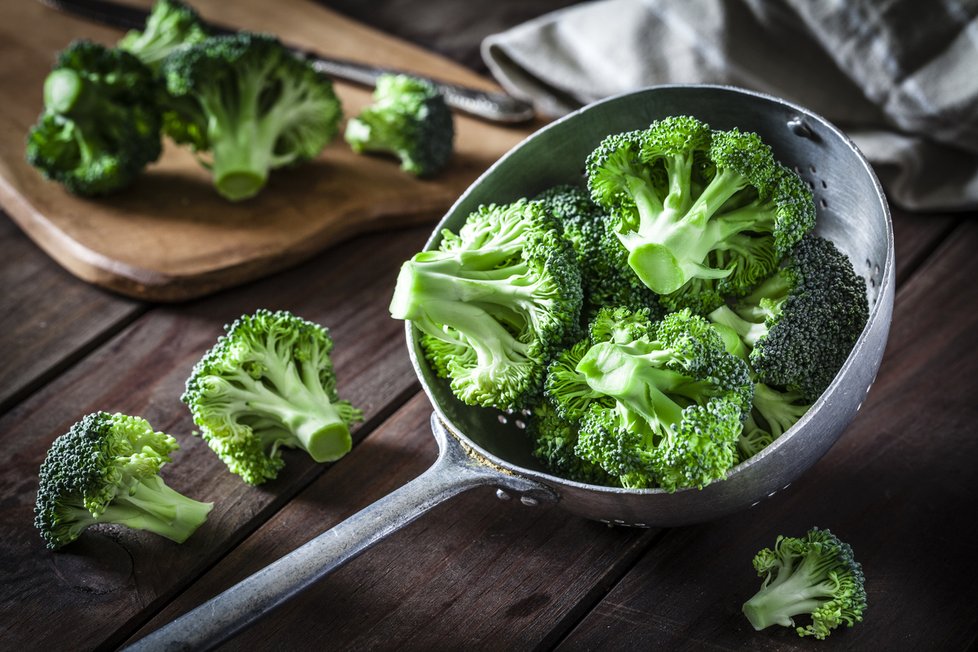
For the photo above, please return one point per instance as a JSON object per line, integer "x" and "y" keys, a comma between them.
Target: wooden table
{"x": 476, "y": 573}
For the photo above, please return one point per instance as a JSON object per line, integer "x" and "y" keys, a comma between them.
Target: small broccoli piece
{"x": 100, "y": 125}
{"x": 252, "y": 104}
{"x": 554, "y": 440}
{"x": 605, "y": 276}
{"x": 171, "y": 24}
{"x": 105, "y": 469}
{"x": 703, "y": 214}
{"x": 269, "y": 383}
{"x": 801, "y": 323}
{"x": 814, "y": 575}
{"x": 495, "y": 302}
{"x": 409, "y": 119}
{"x": 679, "y": 400}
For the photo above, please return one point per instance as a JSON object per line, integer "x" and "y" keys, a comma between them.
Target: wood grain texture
{"x": 474, "y": 573}
{"x": 170, "y": 236}
{"x": 47, "y": 318}
{"x": 899, "y": 486}
{"x": 113, "y": 579}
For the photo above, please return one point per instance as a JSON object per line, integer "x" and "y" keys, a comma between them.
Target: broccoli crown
{"x": 659, "y": 404}
{"x": 495, "y": 302}
{"x": 409, "y": 119}
{"x": 702, "y": 214}
{"x": 605, "y": 276}
{"x": 813, "y": 575}
{"x": 269, "y": 383}
{"x": 554, "y": 440}
{"x": 801, "y": 323}
{"x": 171, "y": 24}
{"x": 100, "y": 125}
{"x": 252, "y": 104}
{"x": 105, "y": 469}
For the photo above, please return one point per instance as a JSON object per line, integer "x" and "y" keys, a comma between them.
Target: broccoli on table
{"x": 409, "y": 119}
{"x": 105, "y": 469}
{"x": 269, "y": 383}
{"x": 495, "y": 302}
{"x": 815, "y": 575}
{"x": 100, "y": 125}
{"x": 800, "y": 324}
{"x": 702, "y": 214}
{"x": 171, "y": 24}
{"x": 252, "y": 104}
{"x": 661, "y": 404}
{"x": 605, "y": 276}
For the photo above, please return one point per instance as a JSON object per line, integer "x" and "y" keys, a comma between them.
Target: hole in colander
{"x": 519, "y": 423}
{"x": 823, "y": 203}
{"x": 824, "y": 185}
{"x": 811, "y": 168}
{"x": 502, "y": 418}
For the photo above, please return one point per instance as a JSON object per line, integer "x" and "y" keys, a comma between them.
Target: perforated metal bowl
{"x": 485, "y": 447}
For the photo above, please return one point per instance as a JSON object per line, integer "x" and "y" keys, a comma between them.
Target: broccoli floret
{"x": 801, "y": 323}
{"x": 252, "y": 104}
{"x": 495, "y": 302}
{"x": 105, "y": 469}
{"x": 409, "y": 119}
{"x": 269, "y": 383}
{"x": 605, "y": 276}
{"x": 703, "y": 214}
{"x": 554, "y": 440}
{"x": 171, "y": 24}
{"x": 670, "y": 400}
{"x": 100, "y": 125}
{"x": 814, "y": 575}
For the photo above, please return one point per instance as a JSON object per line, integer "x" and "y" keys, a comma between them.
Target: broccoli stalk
{"x": 814, "y": 575}
{"x": 171, "y": 24}
{"x": 252, "y": 104}
{"x": 494, "y": 302}
{"x": 269, "y": 383}
{"x": 105, "y": 469}
{"x": 702, "y": 214}
{"x": 409, "y": 119}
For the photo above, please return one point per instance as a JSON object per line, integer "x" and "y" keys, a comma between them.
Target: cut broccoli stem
{"x": 151, "y": 505}
{"x": 63, "y": 90}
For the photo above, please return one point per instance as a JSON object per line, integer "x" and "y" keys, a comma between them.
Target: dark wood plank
{"x": 48, "y": 319}
{"x": 899, "y": 486}
{"x": 109, "y": 582}
{"x": 474, "y": 573}
{"x": 915, "y": 236}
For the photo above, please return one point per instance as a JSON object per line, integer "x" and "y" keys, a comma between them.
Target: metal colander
{"x": 485, "y": 447}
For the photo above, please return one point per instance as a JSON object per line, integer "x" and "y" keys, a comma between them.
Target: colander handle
{"x": 236, "y": 608}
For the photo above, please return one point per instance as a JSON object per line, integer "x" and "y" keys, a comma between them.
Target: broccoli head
{"x": 171, "y": 24}
{"x": 801, "y": 323}
{"x": 100, "y": 125}
{"x": 495, "y": 302}
{"x": 105, "y": 469}
{"x": 605, "y": 276}
{"x": 252, "y": 104}
{"x": 815, "y": 575}
{"x": 661, "y": 403}
{"x": 702, "y": 214}
{"x": 554, "y": 440}
{"x": 269, "y": 383}
{"x": 409, "y": 119}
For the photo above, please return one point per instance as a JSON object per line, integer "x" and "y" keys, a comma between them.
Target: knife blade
{"x": 495, "y": 107}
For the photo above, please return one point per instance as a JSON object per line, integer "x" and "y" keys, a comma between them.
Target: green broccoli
{"x": 100, "y": 125}
{"x": 495, "y": 302}
{"x": 800, "y": 324}
{"x": 269, "y": 383}
{"x": 661, "y": 404}
{"x": 252, "y": 104}
{"x": 409, "y": 119}
{"x": 171, "y": 24}
{"x": 554, "y": 440}
{"x": 105, "y": 469}
{"x": 703, "y": 214}
{"x": 814, "y": 575}
{"x": 605, "y": 276}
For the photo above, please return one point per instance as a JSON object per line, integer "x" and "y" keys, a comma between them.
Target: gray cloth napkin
{"x": 899, "y": 76}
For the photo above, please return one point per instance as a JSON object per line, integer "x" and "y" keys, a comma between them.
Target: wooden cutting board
{"x": 170, "y": 237}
